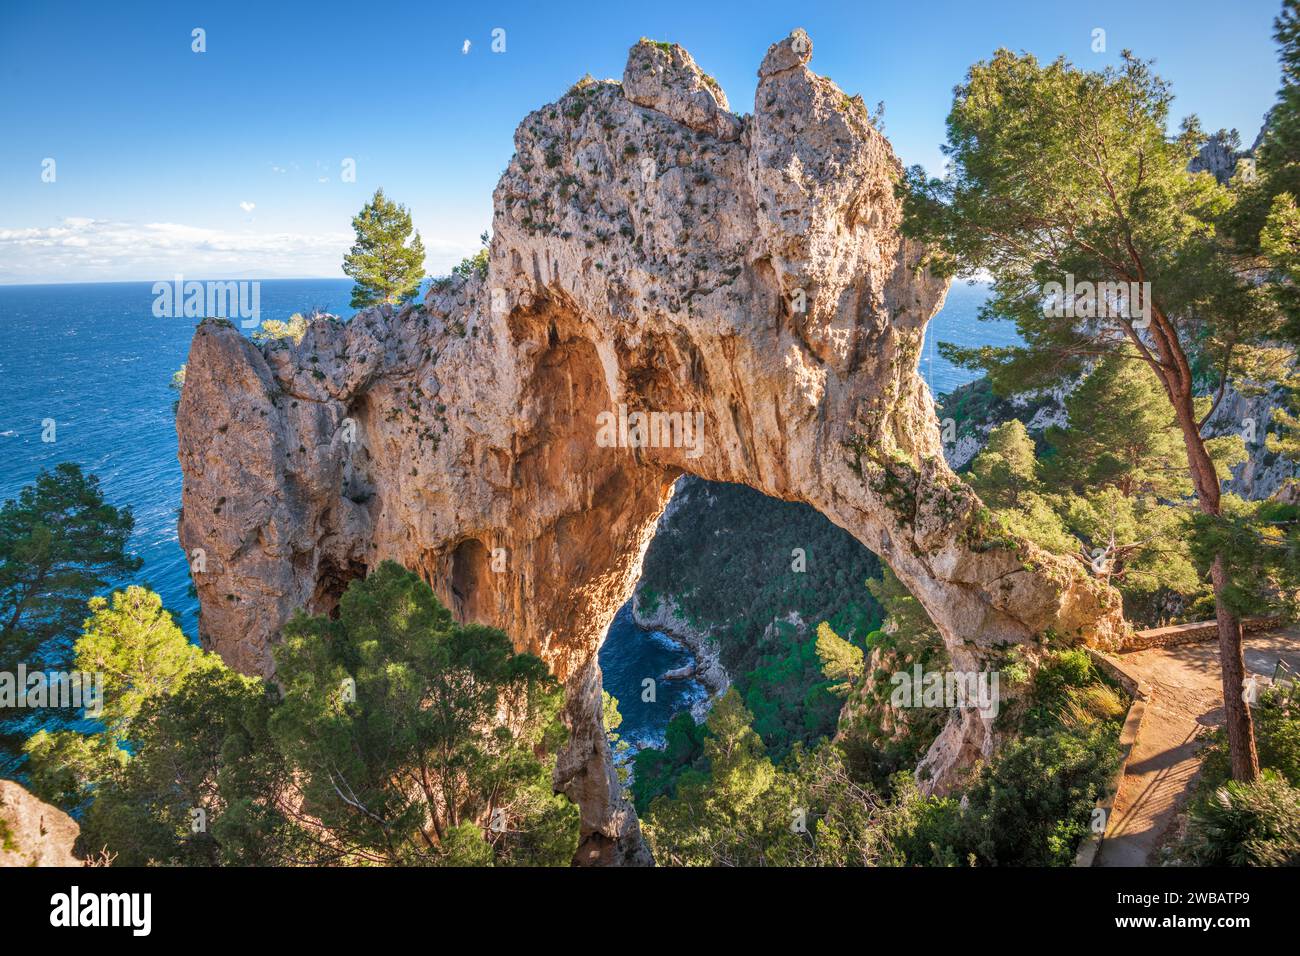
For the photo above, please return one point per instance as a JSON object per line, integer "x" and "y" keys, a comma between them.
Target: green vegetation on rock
{"x": 386, "y": 261}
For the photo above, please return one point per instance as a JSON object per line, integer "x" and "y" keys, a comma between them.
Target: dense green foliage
{"x": 1260, "y": 541}
{"x": 399, "y": 738}
{"x": 404, "y": 725}
{"x": 1246, "y": 824}
{"x": 142, "y": 654}
{"x": 1110, "y": 487}
{"x": 1005, "y": 474}
{"x": 1031, "y": 805}
{"x": 59, "y": 543}
{"x": 657, "y": 771}
{"x": 1264, "y": 224}
{"x": 718, "y": 796}
{"x": 203, "y": 784}
{"x": 746, "y": 810}
{"x": 1035, "y": 195}
{"x": 1065, "y": 185}
{"x": 386, "y": 263}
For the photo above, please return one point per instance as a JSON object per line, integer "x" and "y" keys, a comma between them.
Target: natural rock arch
{"x": 654, "y": 252}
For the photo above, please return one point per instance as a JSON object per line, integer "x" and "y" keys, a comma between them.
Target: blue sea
{"x": 93, "y": 358}
{"x": 630, "y": 656}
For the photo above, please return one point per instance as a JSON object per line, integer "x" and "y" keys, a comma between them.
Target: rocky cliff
{"x": 671, "y": 288}
{"x": 33, "y": 833}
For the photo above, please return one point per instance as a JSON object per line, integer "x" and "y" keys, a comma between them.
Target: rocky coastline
{"x": 667, "y": 617}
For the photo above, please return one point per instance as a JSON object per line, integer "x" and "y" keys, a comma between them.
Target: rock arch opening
{"x": 741, "y": 582}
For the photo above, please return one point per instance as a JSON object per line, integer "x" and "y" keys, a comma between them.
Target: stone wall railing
{"x": 1189, "y": 633}
{"x": 1137, "y": 689}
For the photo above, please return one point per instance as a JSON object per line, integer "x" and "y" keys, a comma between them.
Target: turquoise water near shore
{"x": 95, "y": 359}
{"x": 631, "y": 655}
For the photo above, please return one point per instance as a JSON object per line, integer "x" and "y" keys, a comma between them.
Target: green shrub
{"x": 273, "y": 330}
{"x": 1246, "y": 824}
{"x": 1032, "y": 805}
{"x": 475, "y": 265}
{"x": 1067, "y": 693}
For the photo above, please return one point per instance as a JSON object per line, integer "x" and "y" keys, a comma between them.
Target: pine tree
{"x": 739, "y": 813}
{"x": 1005, "y": 476}
{"x": 1281, "y": 145}
{"x": 1056, "y": 173}
{"x": 1121, "y": 465}
{"x": 59, "y": 543}
{"x": 1265, "y": 222}
{"x": 399, "y": 737}
{"x": 387, "y": 264}
{"x": 1121, "y": 433}
{"x": 841, "y": 661}
{"x": 141, "y": 653}
{"x": 406, "y": 725}
{"x": 1006, "y": 469}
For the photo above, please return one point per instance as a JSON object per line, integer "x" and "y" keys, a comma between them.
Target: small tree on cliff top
{"x": 1059, "y": 173}
{"x": 387, "y": 264}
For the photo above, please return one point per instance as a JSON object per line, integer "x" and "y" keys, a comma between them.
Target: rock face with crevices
{"x": 670, "y": 289}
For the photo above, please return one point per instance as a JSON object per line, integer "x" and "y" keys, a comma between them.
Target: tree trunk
{"x": 1241, "y": 729}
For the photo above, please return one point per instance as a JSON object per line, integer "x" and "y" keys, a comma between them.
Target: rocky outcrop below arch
{"x": 743, "y": 280}
{"x": 665, "y": 616}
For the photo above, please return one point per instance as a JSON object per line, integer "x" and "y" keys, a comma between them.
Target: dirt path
{"x": 1186, "y": 702}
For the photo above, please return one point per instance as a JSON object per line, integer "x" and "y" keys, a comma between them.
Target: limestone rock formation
{"x": 33, "y": 833}
{"x": 670, "y": 289}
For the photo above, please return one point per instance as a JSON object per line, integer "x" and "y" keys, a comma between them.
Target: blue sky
{"x": 227, "y": 163}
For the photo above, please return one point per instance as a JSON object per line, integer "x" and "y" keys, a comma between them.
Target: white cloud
{"x": 81, "y": 249}
{"x": 464, "y": 47}
{"x": 247, "y": 206}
